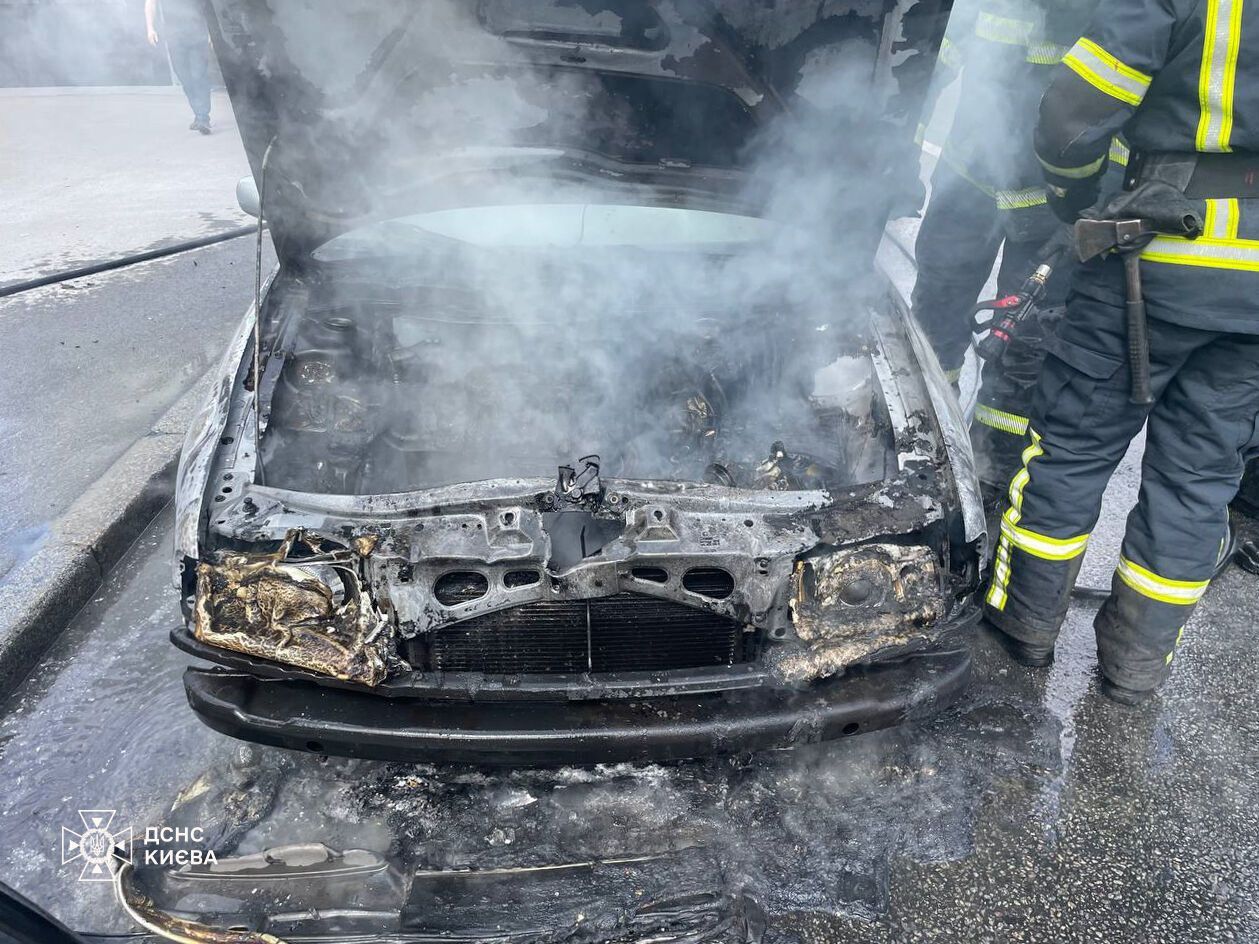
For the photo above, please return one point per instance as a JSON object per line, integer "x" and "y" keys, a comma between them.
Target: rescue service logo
{"x": 96, "y": 846}
{"x": 99, "y": 846}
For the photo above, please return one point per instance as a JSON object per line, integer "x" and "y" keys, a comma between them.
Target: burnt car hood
{"x": 363, "y": 109}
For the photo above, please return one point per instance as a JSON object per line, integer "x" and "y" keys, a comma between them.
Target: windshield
{"x": 556, "y": 225}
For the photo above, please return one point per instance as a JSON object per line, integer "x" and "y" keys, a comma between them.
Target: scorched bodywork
{"x": 579, "y": 430}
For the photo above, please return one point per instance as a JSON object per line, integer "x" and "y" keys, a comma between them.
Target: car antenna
{"x": 259, "y": 475}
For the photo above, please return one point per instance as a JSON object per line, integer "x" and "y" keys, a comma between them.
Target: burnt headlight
{"x": 310, "y": 612}
{"x": 865, "y": 594}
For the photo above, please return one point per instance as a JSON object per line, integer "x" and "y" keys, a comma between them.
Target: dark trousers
{"x": 999, "y": 432}
{"x": 1203, "y": 426}
{"x": 190, "y": 58}
{"x": 961, "y": 233}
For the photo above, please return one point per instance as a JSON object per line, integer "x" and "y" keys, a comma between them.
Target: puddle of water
{"x": 104, "y": 725}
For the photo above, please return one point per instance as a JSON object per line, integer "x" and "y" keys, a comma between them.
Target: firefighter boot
{"x": 1247, "y": 500}
{"x": 1136, "y": 640}
{"x": 1031, "y": 655}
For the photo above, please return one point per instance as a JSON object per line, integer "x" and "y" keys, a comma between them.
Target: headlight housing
{"x": 866, "y": 593}
{"x": 313, "y": 613}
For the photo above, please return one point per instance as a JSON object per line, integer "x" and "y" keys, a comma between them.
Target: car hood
{"x": 369, "y": 109}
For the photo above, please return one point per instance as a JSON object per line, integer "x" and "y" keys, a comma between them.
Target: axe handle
{"x": 1138, "y": 331}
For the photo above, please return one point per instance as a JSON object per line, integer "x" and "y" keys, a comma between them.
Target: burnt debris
{"x": 303, "y": 605}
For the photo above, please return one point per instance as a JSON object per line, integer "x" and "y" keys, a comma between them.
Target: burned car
{"x": 578, "y": 421}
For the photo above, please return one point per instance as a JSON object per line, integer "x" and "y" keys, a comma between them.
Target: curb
{"x": 41, "y": 595}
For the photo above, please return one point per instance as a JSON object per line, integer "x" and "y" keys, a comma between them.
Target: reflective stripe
{"x": 997, "y": 595}
{"x": 1180, "y": 634}
{"x": 1218, "y": 75}
{"x": 1046, "y": 54}
{"x": 949, "y": 55}
{"x": 1020, "y": 199}
{"x": 1042, "y": 545}
{"x": 1234, "y": 219}
{"x": 1013, "y": 32}
{"x": 1221, "y": 219}
{"x": 1211, "y": 225}
{"x": 953, "y": 375}
{"x": 1073, "y": 173}
{"x": 1022, "y": 476}
{"x": 1106, "y": 73}
{"x": 1119, "y": 152}
{"x": 1003, "y": 29}
{"x": 1149, "y": 584}
{"x": 1005, "y": 199}
{"x": 1217, "y": 248}
{"x": 999, "y": 419}
{"x": 1205, "y": 251}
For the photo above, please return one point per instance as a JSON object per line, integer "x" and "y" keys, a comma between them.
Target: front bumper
{"x": 305, "y": 716}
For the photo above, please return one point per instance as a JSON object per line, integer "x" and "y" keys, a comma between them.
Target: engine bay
{"x": 433, "y": 386}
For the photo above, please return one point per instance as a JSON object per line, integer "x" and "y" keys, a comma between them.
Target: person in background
{"x": 187, "y": 42}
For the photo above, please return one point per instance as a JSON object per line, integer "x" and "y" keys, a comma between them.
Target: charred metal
{"x": 307, "y": 610}
{"x": 549, "y": 406}
{"x": 856, "y": 604}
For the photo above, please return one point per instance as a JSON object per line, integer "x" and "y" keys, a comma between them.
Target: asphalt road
{"x": 91, "y": 174}
{"x": 1033, "y": 811}
{"x": 89, "y": 365}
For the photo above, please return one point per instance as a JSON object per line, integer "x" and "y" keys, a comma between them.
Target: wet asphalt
{"x": 90, "y": 174}
{"x": 1034, "y": 810}
{"x": 91, "y": 364}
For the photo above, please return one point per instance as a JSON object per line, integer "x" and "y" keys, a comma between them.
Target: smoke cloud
{"x": 566, "y": 329}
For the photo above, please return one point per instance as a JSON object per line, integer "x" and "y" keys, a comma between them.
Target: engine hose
{"x": 66, "y": 275}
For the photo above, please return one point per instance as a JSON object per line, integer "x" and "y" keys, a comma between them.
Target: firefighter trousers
{"x": 1201, "y": 430}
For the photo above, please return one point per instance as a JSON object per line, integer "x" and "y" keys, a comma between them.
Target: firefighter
{"x": 1180, "y": 78}
{"x": 987, "y": 197}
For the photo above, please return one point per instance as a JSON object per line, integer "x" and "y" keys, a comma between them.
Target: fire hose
{"x": 121, "y": 262}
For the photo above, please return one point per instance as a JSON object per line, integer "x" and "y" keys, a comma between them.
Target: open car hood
{"x": 369, "y": 109}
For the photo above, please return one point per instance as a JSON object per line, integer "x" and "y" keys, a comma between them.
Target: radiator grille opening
{"x": 627, "y": 632}
{"x": 460, "y": 586}
{"x": 709, "y": 582}
{"x": 654, "y": 574}
{"x": 521, "y": 578}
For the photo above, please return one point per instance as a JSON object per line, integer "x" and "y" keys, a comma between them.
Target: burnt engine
{"x": 394, "y": 395}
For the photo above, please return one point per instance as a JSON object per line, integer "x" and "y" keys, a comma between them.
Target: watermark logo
{"x": 97, "y": 845}
{"x": 176, "y": 845}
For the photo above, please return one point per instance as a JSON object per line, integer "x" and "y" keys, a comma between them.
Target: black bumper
{"x": 309, "y": 717}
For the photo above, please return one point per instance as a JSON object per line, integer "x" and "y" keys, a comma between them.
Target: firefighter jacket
{"x": 1173, "y": 76}
{"x": 1005, "y": 51}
